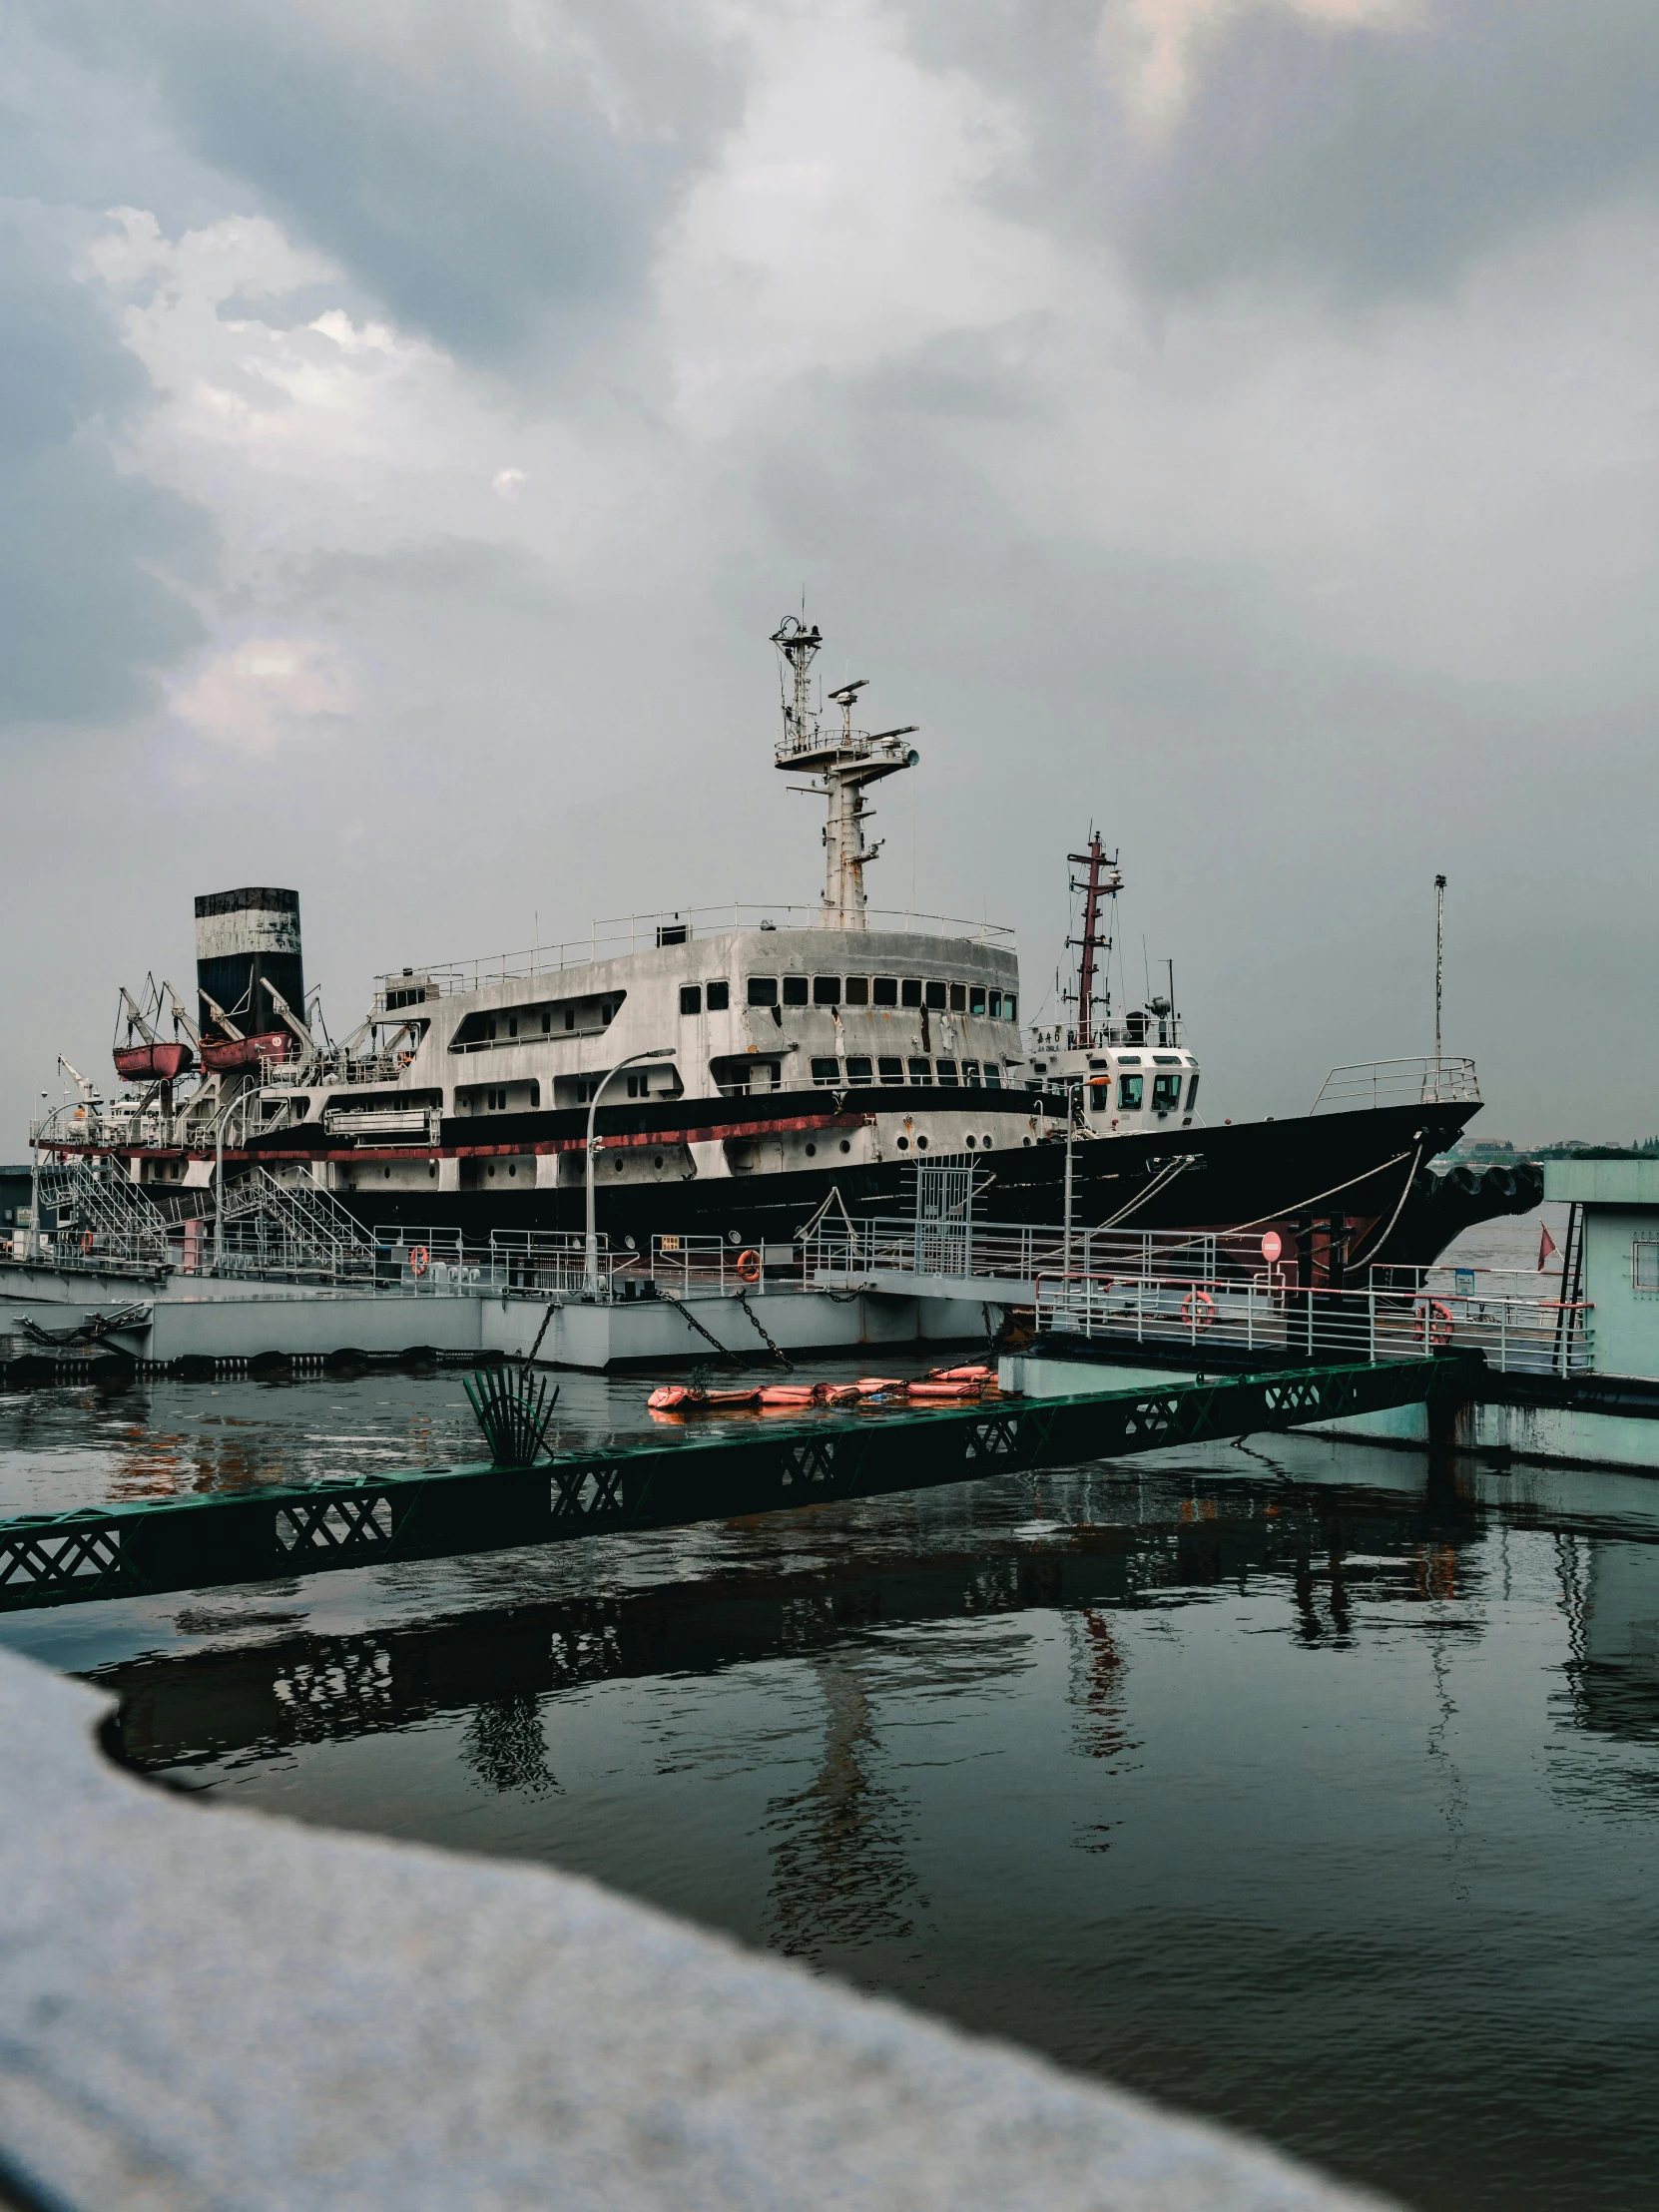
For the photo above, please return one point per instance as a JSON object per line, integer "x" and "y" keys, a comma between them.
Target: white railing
{"x": 1018, "y": 1251}
{"x": 628, "y": 933}
{"x": 1273, "y": 1319}
{"x": 1420, "y": 1081}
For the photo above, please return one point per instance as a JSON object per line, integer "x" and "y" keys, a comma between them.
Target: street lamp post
{"x": 657, "y": 1052}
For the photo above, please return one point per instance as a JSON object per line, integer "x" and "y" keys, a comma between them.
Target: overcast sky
{"x": 1232, "y": 421}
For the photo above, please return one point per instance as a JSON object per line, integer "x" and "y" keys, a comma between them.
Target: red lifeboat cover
{"x": 230, "y": 1055}
{"x": 151, "y": 1063}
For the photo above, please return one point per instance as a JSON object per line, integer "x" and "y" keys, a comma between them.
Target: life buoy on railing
{"x": 749, "y": 1266}
{"x": 1198, "y": 1309}
{"x": 86, "y": 1240}
{"x": 1437, "y": 1331}
{"x": 419, "y": 1260}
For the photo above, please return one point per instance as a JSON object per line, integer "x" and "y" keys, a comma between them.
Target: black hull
{"x": 1368, "y": 1169}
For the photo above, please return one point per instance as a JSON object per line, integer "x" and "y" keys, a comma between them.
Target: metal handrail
{"x": 1276, "y": 1320}
{"x": 618, "y": 936}
{"x": 1416, "y": 1080}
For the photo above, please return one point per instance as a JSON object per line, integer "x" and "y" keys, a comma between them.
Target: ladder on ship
{"x": 299, "y": 1228}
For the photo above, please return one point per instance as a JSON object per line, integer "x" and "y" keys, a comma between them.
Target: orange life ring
{"x": 419, "y": 1260}
{"x": 749, "y": 1266}
{"x": 1198, "y": 1309}
{"x": 1439, "y": 1332}
{"x": 86, "y": 1240}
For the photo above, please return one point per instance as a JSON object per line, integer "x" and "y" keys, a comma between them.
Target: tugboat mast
{"x": 846, "y": 761}
{"x": 1102, "y": 881}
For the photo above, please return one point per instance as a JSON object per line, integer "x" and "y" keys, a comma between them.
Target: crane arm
{"x": 135, "y": 1016}
{"x": 181, "y": 1018}
{"x": 289, "y": 1016}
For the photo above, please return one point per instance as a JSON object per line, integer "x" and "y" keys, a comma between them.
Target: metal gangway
{"x": 298, "y": 1229}
{"x": 104, "y": 1220}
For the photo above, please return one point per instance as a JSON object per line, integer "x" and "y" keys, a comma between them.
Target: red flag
{"x": 1547, "y": 1245}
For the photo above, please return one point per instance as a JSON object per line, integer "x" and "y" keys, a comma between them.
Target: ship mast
{"x": 1102, "y": 881}
{"x": 845, "y": 763}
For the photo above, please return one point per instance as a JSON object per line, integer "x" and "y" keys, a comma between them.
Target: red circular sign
{"x": 1271, "y": 1244}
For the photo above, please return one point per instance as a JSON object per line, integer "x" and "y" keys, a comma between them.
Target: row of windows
{"x": 889, "y": 1070}
{"x": 498, "y": 1027}
{"x": 1166, "y": 1094}
{"x": 693, "y": 995}
{"x": 883, "y": 990}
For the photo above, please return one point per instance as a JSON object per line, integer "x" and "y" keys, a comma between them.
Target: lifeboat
{"x": 151, "y": 1064}
{"x": 236, "y": 1055}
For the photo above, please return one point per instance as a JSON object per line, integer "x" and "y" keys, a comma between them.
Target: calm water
{"x": 1284, "y": 1784}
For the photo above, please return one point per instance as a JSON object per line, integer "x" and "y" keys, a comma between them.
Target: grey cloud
{"x": 1371, "y": 159}
{"x": 86, "y": 616}
{"x": 474, "y": 181}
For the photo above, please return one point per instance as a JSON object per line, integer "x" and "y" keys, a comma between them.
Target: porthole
{"x": 734, "y": 1236}
{"x": 629, "y": 1242}
{"x": 986, "y": 1140}
{"x": 657, "y": 1160}
{"x": 1026, "y": 1140}
{"x": 904, "y": 1144}
{"x": 432, "y": 1171}
{"x": 922, "y": 1144}
{"x": 387, "y": 1173}
{"x": 811, "y": 1152}
{"x": 619, "y": 1164}
{"x": 512, "y": 1167}
{"x": 970, "y": 1140}
{"x": 846, "y": 1144}
{"x": 490, "y": 1170}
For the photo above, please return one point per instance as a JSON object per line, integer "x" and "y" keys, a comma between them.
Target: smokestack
{"x": 243, "y": 937}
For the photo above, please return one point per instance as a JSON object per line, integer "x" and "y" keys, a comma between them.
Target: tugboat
{"x": 744, "y": 1070}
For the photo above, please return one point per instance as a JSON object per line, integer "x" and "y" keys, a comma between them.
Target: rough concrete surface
{"x": 201, "y": 2008}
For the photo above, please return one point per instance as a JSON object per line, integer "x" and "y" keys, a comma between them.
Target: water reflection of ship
{"x": 1610, "y": 1599}
{"x": 840, "y": 1875}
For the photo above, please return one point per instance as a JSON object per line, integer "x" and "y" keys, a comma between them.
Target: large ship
{"x": 746, "y": 1071}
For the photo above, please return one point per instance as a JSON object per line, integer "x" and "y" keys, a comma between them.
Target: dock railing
{"x": 1281, "y": 1322}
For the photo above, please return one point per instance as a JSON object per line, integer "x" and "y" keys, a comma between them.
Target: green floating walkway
{"x": 203, "y": 1542}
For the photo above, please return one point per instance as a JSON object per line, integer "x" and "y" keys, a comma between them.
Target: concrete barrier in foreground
{"x": 207, "y": 2009}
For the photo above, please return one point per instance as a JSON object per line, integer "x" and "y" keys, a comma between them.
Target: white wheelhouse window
{"x": 1644, "y": 1266}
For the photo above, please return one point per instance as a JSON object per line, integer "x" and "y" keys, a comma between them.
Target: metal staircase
{"x": 103, "y": 1219}
{"x": 271, "y": 1228}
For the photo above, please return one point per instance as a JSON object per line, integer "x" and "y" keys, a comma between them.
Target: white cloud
{"x": 845, "y": 222}
{"x": 264, "y": 690}
{"x": 1150, "y": 48}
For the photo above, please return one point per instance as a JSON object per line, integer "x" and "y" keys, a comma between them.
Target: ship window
{"x": 883, "y": 992}
{"x": 512, "y": 1026}
{"x": 1130, "y": 1060}
{"x": 1166, "y": 1059}
{"x": 993, "y": 1079}
{"x": 1166, "y": 1093}
{"x": 1131, "y": 1090}
{"x": 970, "y": 1074}
{"x": 1100, "y": 1097}
{"x": 535, "y": 1091}
{"x": 937, "y": 995}
{"x": 1192, "y": 1094}
{"x": 892, "y": 1070}
{"x": 719, "y": 997}
{"x": 794, "y": 990}
{"x": 762, "y": 990}
{"x": 857, "y": 990}
{"x": 570, "y": 1017}
{"x": 489, "y": 1029}
{"x": 995, "y": 1008}
{"x": 909, "y": 991}
{"x": 1010, "y": 1007}
{"x": 946, "y": 1071}
{"x": 860, "y": 1071}
{"x": 826, "y": 1071}
{"x": 546, "y": 1025}
{"x": 958, "y": 998}
{"x": 827, "y": 990}
{"x": 1644, "y": 1265}
{"x": 922, "y": 1073}
{"x": 976, "y": 999}
{"x": 690, "y": 999}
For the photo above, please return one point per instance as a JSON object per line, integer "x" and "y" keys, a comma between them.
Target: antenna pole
{"x": 1438, "y": 969}
{"x": 1102, "y": 881}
